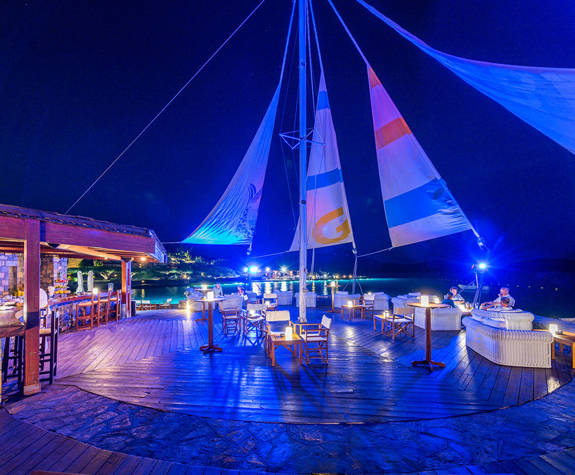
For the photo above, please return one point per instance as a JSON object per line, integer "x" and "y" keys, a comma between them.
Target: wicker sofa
{"x": 492, "y": 340}
{"x": 441, "y": 318}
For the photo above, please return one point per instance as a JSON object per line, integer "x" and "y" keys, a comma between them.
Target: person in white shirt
{"x": 455, "y": 295}
{"x": 503, "y": 293}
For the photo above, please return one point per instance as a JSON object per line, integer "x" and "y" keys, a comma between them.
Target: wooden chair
{"x": 276, "y": 323}
{"x": 231, "y": 311}
{"x": 369, "y": 306}
{"x": 315, "y": 338}
{"x": 254, "y": 319}
{"x": 271, "y": 301}
{"x": 399, "y": 325}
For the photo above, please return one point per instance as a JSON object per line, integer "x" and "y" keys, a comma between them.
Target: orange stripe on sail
{"x": 390, "y": 132}
{"x": 373, "y": 79}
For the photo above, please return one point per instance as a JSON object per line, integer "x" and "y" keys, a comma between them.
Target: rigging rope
{"x": 375, "y": 252}
{"x": 149, "y": 124}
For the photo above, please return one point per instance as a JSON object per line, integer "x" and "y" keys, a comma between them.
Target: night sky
{"x": 78, "y": 80}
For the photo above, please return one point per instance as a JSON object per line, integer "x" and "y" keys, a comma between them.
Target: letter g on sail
{"x": 343, "y": 229}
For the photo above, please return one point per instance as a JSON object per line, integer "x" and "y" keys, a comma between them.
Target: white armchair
{"x": 342, "y": 297}
{"x": 380, "y": 300}
{"x": 441, "y": 318}
{"x": 285, "y": 297}
{"x": 310, "y": 299}
{"x": 400, "y": 304}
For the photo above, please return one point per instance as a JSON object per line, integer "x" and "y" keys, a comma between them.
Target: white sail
{"x": 233, "y": 218}
{"x": 418, "y": 204}
{"x": 328, "y": 220}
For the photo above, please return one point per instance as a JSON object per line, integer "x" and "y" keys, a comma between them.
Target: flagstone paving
{"x": 533, "y": 436}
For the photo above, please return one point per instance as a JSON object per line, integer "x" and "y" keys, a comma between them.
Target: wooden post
{"x": 126, "y": 288}
{"x": 32, "y": 306}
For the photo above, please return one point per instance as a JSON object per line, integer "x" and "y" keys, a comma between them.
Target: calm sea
{"x": 547, "y": 300}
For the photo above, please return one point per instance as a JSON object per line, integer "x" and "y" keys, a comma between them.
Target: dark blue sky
{"x": 78, "y": 80}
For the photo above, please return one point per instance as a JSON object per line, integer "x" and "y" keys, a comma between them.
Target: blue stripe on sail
{"x": 324, "y": 179}
{"x": 421, "y": 202}
{"x": 322, "y": 100}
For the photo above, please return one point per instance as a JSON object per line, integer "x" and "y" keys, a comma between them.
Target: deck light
{"x": 245, "y": 269}
{"x": 554, "y": 329}
{"x": 349, "y": 303}
{"x": 268, "y": 270}
{"x": 254, "y": 269}
{"x": 435, "y": 299}
{"x": 210, "y": 295}
{"x": 95, "y": 291}
{"x": 204, "y": 287}
{"x": 283, "y": 269}
{"x": 424, "y": 300}
{"x": 332, "y": 284}
{"x": 482, "y": 265}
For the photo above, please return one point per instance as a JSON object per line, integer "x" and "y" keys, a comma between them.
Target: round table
{"x": 428, "y": 362}
{"x": 210, "y": 346}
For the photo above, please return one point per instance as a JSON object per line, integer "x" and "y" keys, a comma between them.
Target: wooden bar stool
{"x": 85, "y": 314}
{"x": 115, "y": 306}
{"x": 103, "y": 308}
{"x": 13, "y": 359}
{"x": 49, "y": 349}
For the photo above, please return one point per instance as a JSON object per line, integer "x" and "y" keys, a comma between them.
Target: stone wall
{"x": 12, "y": 272}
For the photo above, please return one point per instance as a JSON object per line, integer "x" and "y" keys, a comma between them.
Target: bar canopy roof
{"x": 78, "y": 236}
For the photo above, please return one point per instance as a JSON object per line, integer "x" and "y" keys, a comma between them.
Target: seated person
{"x": 455, "y": 295}
{"x": 504, "y": 303}
{"x": 218, "y": 292}
{"x": 503, "y": 293}
{"x": 449, "y": 300}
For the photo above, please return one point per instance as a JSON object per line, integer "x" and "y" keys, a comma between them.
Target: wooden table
{"x": 293, "y": 345}
{"x": 210, "y": 346}
{"x": 564, "y": 339}
{"x": 352, "y": 309}
{"x": 428, "y": 361}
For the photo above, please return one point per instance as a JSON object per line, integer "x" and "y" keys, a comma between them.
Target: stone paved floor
{"x": 539, "y": 427}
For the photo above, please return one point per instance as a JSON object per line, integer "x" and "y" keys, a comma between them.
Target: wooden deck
{"x": 154, "y": 361}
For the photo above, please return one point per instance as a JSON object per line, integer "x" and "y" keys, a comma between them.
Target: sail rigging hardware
{"x": 293, "y": 140}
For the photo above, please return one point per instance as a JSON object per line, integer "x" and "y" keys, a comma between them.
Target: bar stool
{"x": 12, "y": 359}
{"x": 85, "y": 314}
{"x": 103, "y": 308}
{"x": 49, "y": 348}
{"x": 115, "y": 306}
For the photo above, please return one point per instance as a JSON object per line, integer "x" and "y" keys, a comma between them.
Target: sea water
{"x": 547, "y": 300}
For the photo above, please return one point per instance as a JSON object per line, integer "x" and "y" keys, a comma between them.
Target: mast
{"x": 302, "y": 159}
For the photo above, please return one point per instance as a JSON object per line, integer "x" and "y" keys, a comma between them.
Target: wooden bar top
{"x": 7, "y": 331}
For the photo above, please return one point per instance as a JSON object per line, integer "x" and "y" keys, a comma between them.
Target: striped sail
{"x": 233, "y": 218}
{"x": 328, "y": 220}
{"x": 418, "y": 204}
